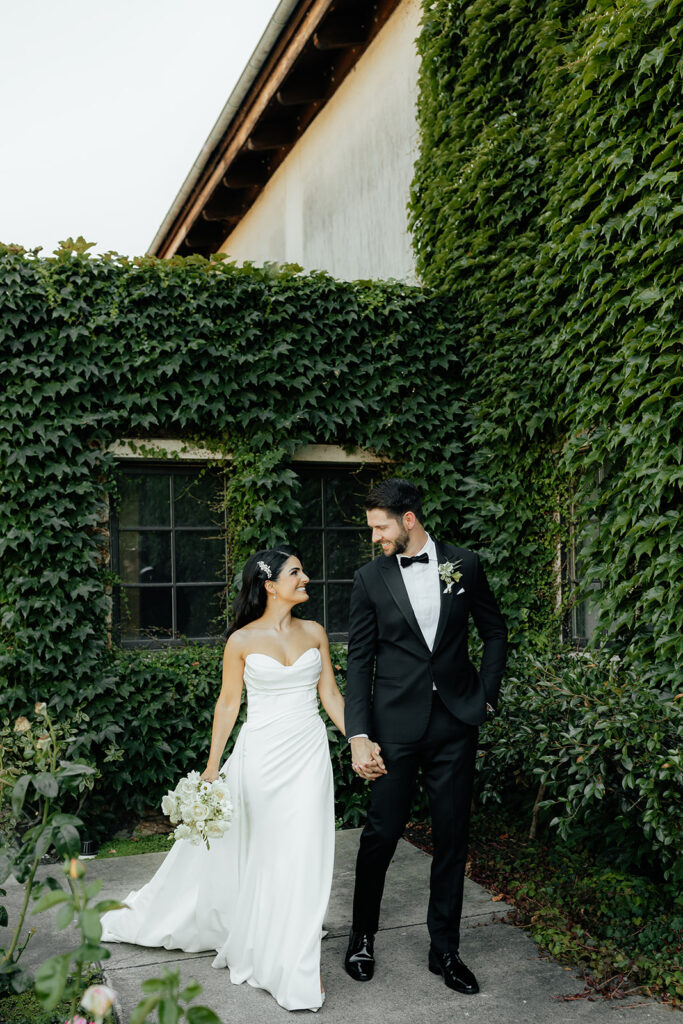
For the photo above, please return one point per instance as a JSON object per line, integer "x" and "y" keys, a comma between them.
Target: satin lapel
{"x": 446, "y": 599}
{"x": 397, "y": 588}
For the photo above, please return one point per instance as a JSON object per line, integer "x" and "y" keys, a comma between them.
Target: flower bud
{"x": 76, "y": 870}
{"x": 22, "y": 724}
{"x": 41, "y": 708}
{"x": 43, "y": 742}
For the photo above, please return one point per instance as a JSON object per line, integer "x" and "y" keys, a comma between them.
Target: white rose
{"x": 199, "y": 811}
{"x": 98, "y": 999}
{"x": 183, "y": 832}
{"x": 168, "y": 804}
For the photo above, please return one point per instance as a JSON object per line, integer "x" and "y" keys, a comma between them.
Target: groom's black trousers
{"x": 446, "y": 755}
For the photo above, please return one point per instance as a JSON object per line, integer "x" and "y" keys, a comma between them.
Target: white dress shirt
{"x": 422, "y": 583}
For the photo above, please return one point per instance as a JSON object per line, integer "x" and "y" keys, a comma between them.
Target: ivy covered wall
{"x": 547, "y": 205}
{"x": 250, "y": 361}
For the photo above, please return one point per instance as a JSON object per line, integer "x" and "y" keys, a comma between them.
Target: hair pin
{"x": 265, "y": 568}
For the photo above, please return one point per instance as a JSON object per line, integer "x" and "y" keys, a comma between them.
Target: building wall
{"x": 338, "y": 201}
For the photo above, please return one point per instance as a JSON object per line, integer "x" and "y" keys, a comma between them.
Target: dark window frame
{"x": 324, "y": 472}
{"x": 150, "y": 467}
{"x": 321, "y": 472}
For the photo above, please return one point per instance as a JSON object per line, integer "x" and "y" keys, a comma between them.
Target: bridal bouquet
{"x": 201, "y": 810}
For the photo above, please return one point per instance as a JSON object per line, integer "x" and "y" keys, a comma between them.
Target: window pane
{"x": 338, "y": 597}
{"x": 146, "y": 612}
{"x": 313, "y": 608}
{"x": 199, "y": 557}
{"x": 347, "y": 550}
{"x": 196, "y": 498}
{"x": 310, "y": 544}
{"x": 344, "y": 500}
{"x": 145, "y": 557}
{"x": 310, "y": 496}
{"x": 199, "y": 611}
{"x": 145, "y": 500}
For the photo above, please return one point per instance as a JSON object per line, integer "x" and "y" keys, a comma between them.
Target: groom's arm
{"x": 361, "y": 660}
{"x": 493, "y": 631}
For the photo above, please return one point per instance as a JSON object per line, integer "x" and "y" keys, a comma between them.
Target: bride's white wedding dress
{"x": 258, "y": 896}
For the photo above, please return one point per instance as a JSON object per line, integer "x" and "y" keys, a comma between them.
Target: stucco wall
{"x": 338, "y": 202}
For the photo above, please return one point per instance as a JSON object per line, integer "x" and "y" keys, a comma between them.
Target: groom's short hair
{"x": 397, "y": 497}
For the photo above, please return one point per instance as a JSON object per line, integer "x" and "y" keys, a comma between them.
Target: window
{"x": 580, "y": 621}
{"x": 169, "y": 552}
{"x": 334, "y": 541}
{"x": 581, "y": 617}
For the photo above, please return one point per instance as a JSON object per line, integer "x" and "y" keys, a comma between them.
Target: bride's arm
{"x": 227, "y": 707}
{"x": 330, "y": 696}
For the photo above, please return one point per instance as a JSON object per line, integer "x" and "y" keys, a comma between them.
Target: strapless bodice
{"x": 275, "y": 690}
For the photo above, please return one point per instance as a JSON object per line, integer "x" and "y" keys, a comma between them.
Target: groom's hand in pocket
{"x": 366, "y": 758}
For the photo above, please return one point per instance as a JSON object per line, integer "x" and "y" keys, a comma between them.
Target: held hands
{"x": 365, "y": 758}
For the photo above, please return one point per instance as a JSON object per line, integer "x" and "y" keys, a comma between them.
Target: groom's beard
{"x": 401, "y": 543}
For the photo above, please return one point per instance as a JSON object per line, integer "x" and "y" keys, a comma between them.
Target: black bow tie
{"x": 406, "y": 561}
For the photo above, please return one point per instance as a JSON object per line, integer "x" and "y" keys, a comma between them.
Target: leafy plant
{"x": 45, "y": 776}
{"x": 53, "y": 982}
{"x": 166, "y": 997}
{"x": 596, "y": 750}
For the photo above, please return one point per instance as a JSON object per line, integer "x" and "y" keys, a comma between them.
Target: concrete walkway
{"x": 517, "y": 986}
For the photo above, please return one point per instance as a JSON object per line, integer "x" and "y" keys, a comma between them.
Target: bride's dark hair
{"x": 250, "y": 603}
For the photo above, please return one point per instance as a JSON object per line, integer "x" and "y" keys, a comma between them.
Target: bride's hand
{"x": 208, "y": 775}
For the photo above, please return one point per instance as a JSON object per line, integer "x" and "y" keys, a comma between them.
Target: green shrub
{"x": 600, "y": 749}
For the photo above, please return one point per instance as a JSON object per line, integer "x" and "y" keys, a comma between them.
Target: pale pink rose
{"x": 22, "y": 724}
{"x": 98, "y": 1000}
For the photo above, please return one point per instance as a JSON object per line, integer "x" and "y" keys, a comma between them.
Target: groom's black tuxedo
{"x": 384, "y": 636}
{"x": 423, "y": 707}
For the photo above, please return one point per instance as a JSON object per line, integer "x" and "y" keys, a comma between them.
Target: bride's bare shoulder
{"x": 237, "y": 643}
{"x": 314, "y": 632}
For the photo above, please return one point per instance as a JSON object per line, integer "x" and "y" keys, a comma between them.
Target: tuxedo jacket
{"x": 391, "y": 671}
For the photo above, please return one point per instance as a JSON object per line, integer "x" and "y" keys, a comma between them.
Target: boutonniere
{"x": 449, "y": 575}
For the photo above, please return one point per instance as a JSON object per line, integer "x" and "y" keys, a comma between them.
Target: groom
{"x": 413, "y": 694}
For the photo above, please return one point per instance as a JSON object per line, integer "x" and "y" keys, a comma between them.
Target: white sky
{"x": 104, "y": 107}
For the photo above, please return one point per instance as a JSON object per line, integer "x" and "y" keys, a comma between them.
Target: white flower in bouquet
{"x": 169, "y": 806}
{"x": 200, "y": 810}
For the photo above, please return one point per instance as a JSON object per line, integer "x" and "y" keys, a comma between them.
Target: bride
{"x": 258, "y": 896}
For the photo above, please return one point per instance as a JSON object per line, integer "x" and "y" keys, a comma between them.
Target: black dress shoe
{"x": 360, "y": 959}
{"x": 454, "y": 972}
